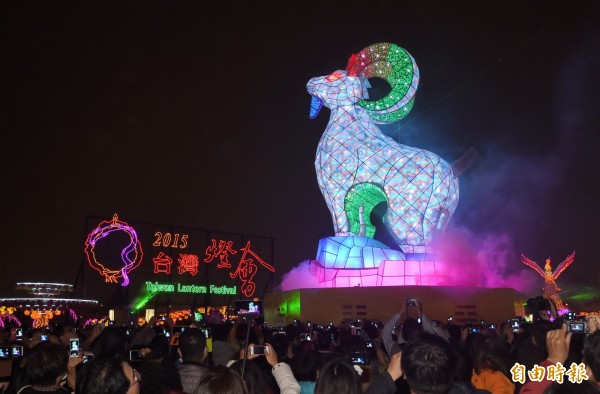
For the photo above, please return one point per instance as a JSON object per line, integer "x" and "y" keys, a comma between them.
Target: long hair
{"x": 103, "y": 375}
{"x": 491, "y": 353}
{"x": 253, "y": 376}
{"x": 221, "y": 380}
{"x": 338, "y": 377}
{"x": 48, "y": 362}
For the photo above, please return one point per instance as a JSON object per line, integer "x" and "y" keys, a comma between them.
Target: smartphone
{"x": 44, "y": 337}
{"x": 356, "y": 331}
{"x": 74, "y": 347}
{"x": 19, "y": 333}
{"x": 369, "y": 344}
{"x": 17, "y": 351}
{"x": 5, "y": 353}
{"x": 515, "y": 325}
{"x": 135, "y": 355}
{"x": 305, "y": 337}
{"x": 259, "y": 350}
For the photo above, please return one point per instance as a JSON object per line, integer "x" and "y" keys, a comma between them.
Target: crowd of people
{"x": 410, "y": 353}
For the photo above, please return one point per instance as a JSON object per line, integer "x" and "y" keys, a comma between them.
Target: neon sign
{"x": 182, "y": 288}
{"x": 162, "y": 264}
{"x": 188, "y": 263}
{"x": 165, "y": 240}
{"x": 222, "y": 252}
{"x": 245, "y": 270}
{"x": 190, "y": 256}
{"x": 131, "y": 255}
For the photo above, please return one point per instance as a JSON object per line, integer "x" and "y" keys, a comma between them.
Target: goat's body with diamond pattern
{"x": 420, "y": 189}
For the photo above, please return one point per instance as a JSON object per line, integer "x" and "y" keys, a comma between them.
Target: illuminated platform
{"x": 335, "y": 304}
{"x": 351, "y": 261}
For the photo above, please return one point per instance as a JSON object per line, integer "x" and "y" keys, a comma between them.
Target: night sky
{"x": 196, "y": 114}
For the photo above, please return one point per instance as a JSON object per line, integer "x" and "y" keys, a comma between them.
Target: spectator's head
{"x": 159, "y": 346}
{"x": 253, "y": 377}
{"x": 192, "y": 345}
{"x": 65, "y": 333}
{"x": 159, "y": 376}
{"x": 411, "y": 328}
{"x": 538, "y": 331}
{"x": 280, "y": 343}
{"x": 428, "y": 363}
{"x": 112, "y": 343}
{"x": 108, "y": 375}
{"x": 490, "y": 353}
{"x": 304, "y": 366}
{"x": 337, "y": 377}
{"x": 591, "y": 356}
{"x": 324, "y": 340}
{"x": 48, "y": 364}
{"x": 221, "y": 380}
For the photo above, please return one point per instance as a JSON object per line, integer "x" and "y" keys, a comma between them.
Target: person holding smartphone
{"x": 281, "y": 371}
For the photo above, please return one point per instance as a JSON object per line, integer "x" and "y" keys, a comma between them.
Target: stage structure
{"x": 551, "y": 289}
{"x": 363, "y": 173}
{"x": 43, "y": 305}
{"x": 136, "y": 265}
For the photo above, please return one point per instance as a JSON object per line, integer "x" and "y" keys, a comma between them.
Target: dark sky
{"x": 196, "y": 114}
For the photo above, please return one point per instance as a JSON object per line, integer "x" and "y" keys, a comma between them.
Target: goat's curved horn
{"x": 395, "y": 65}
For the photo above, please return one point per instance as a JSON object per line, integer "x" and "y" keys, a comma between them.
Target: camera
{"x": 87, "y": 356}
{"x": 259, "y": 350}
{"x": 135, "y": 355}
{"x": 17, "y": 351}
{"x": 305, "y": 337}
{"x": 412, "y": 302}
{"x": 578, "y": 326}
{"x": 358, "y": 358}
{"x": 5, "y": 353}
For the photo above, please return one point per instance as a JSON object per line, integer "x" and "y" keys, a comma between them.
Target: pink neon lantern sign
{"x": 131, "y": 255}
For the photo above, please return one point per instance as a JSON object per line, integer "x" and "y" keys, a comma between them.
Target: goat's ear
{"x": 352, "y": 66}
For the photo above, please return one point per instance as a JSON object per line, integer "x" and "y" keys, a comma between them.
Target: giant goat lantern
{"x": 358, "y": 167}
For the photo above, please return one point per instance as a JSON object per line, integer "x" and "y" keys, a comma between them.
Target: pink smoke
{"x": 299, "y": 277}
{"x": 485, "y": 260}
